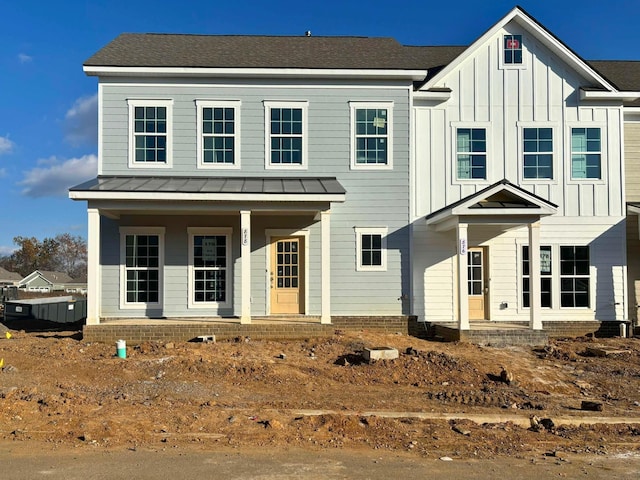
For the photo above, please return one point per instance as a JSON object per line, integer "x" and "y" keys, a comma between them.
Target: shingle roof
{"x": 7, "y": 276}
{"x": 56, "y": 277}
{"x": 249, "y": 51}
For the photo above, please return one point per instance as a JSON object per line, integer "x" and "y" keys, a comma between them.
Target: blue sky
{"x": 48, "y": 108}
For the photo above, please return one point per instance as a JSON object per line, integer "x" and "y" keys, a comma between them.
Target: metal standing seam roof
{"x": 207, "y": 185}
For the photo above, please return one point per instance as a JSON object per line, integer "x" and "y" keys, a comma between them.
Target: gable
{"x": 538, "y": 46}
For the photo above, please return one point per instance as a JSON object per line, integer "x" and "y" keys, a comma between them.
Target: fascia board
{"x": 414, "y": 75}
{"x": 616, "y": 95}
{"x": 208, "y": 197}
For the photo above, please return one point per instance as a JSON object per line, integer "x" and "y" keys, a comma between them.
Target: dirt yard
{"x": 436, "y": 400}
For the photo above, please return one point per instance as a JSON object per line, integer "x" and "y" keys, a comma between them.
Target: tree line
{"x": 62, "y": 253}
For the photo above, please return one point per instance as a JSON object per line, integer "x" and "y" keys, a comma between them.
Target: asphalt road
{"x": 22, "y": 461}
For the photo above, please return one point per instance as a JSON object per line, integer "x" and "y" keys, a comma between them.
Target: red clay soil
{"x": 436, "y": 399}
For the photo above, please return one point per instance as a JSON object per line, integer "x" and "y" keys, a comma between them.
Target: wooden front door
{"x": 477, "y": 283}
{"x": 287, "y": 275}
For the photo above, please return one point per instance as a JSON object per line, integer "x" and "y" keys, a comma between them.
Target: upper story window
{"x": 218, "y": 134}
{"x": 537, "y": 153}
{"x": 471, "y": 146}
{"x": 371, "y": 138}
{"x": 586, "y": 153}
{"x": 286, "y": 142}
{"x": 150, "y": 130}
{"x": 512, "y": 50}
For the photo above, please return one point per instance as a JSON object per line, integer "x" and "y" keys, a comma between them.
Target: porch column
{"x": 535, "y": 322}
{"x": 93, "y": 267}
{"x": 325, "y": 274}
{"x": 245, "y": 261}
{"x": 463, "y": 292}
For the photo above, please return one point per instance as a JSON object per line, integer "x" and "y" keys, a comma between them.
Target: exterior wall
{"x": 544, "y": 93}
{"x": 375, "y": 198}
{"x": 437, "y": 278}
{"x": 632, "y": 188}
{"x": 632, "y": 160}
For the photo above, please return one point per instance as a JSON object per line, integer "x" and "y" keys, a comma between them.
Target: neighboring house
{"x": 46, "y": 281}
{"x": 8, "y": 278}
{"x": 346, "y": 176}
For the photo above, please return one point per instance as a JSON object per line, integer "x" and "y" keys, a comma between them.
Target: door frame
{"x": 486, "y": 280}
{"x": 272, "y": 233}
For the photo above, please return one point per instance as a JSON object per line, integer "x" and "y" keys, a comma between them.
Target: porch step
{"x": 496, "y": 336}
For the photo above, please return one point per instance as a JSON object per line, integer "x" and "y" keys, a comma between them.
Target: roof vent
{"x": 308, "y": 33}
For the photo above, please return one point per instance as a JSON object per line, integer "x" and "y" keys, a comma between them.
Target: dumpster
{"x": 52, "y": 309}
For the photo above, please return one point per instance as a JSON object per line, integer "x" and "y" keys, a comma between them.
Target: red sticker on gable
{"x": 513, "y": 44}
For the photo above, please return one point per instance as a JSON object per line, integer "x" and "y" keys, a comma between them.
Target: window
{"x": 545, "y": 276}
{"x": 210, "y": 276}
{"x": 286, "y": 123}
{"x": 371, "y": 125}
{"x": 142, "y": 266}
{"x": 574, "y": 276}
{"x": 538, "y": 153}
{"x": 150, "y": 126}
{"x": 218, "y": 134}
{"x": 586, "y": 153}
{"x": 371, "y": 249}
{"x": 472, "y": 153}
{"x": 512, "y": 50}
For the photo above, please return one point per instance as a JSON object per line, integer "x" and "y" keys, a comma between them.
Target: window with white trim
{"x": 545, "y": 277}
{"x": 471, "y": 151}
{"x": 574, "y": 276}
{"x": 372, "y": 134}
{"x": 286, "y": 124}
{"x": 218, "y": 134}
{"x": 210, "y": 267}
{"x": 512, "y": 49}
{"x": 150, "y": 133}
{"x": 537, "y": 147}
{"x": 141, "y": 263}
{"x": 586, "y": 153}
{"x": 371, "y": 249}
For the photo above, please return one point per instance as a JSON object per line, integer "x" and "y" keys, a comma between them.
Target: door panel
{"x": 477, "y": 283}
{"x": 287, "y": 275}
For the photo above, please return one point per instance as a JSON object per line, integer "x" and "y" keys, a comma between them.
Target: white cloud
{"x": 6, "y": 145}
{"x": 4, "y": 251}
{"x": 81, "y": 122}
{"x": 24, "y": 58}
{"x": 57, "y": 176}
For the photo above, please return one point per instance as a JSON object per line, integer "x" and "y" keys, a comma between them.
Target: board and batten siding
{"x": 632, "y": 160}
{"x": 543, "y": 94}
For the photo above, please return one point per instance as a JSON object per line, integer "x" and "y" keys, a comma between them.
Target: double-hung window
{"x": 512, "y": 49}
{"x": 210, "y": 267}
{"x": 218, "y": 134}
{"x": 142, "y": 250}
{"x": 537, "y": 153}
{"x": 471, "y": 147}
{"x": 574, "y": 276}
{"x": 586, "y": 153}
{"x": 286, "y": 139}
{"x": 150, "y": 133}
{"x": 545, "y": 277}
{"x": 371, "y": 249}
{"x": 372, "y": 134}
